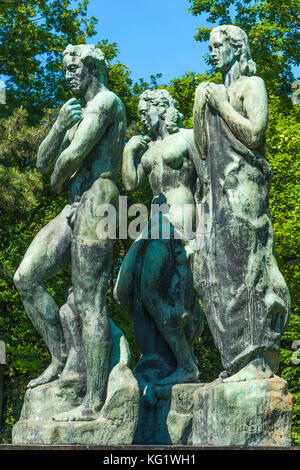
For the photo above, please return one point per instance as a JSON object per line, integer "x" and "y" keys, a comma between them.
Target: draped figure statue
{"x": 244, "y": 295}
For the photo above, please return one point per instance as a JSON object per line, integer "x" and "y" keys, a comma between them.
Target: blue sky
{"x": 154, "y": 36}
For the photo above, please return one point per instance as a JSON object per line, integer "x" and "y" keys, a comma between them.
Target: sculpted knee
{"x": 22, "y": 280}
{"x": 18, "y": 280}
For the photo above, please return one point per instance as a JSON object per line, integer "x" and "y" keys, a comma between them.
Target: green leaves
{"x": 183, "y": 90}
{"x": 283, "y": 147}
{"x": 32, "y": 38}
{"x": 273, "y": 28}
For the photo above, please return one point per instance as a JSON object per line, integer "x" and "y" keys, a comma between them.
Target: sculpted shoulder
{"x": 106, "y": 101}
{"x": 188, "y": 135}
{"x": 201, "y": 87}
{"x": 254, "y": 83}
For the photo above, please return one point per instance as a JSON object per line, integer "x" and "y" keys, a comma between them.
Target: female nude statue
{"x": 155, "y": 281}
{"x": 244, "y": 295}
{"x": 83, "y": 150}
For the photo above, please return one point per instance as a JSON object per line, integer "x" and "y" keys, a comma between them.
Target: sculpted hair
{"x": 238, "y": 40}
{"x": 92, "y": 57}
{"x": 167, "y": 108}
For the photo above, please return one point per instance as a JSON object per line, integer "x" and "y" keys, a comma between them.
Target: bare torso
{"x": 170, "y": 168}
{"x": 104, "y": 159}
{"x": 237, "y": 92}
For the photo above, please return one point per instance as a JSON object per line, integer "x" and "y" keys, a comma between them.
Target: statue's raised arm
{"x": 98, "y": 116}
{"x": 56, "y": 141}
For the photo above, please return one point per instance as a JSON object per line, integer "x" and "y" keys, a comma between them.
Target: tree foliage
{"x": 33, "y": 35}
{"x": 273, "y": 28}
{"x": 26, "y": 205}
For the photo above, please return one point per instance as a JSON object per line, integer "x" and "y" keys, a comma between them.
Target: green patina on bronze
{"x": 250, "y": 413}
{"x": 82, "y": 152}
{"x": 154, "y": 284}
{"x": 244, "y": 295}
{"x": 230, "y": 265}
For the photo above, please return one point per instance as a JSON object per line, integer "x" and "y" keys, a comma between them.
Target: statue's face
{"x": 149, "y": 115}
{"x": 221, "y": 52}
{"x": 77, "y": 74}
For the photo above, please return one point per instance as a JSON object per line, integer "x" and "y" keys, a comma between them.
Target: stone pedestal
{"x": 1, "y": 388}
{"x": 251, "y": 413}
{"x": 166, "y": 415}
{"x": 117, "y": 420}
{"x": 2, "y": 366}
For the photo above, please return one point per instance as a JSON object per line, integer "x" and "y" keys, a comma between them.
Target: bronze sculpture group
{"x": 218, "y": 166}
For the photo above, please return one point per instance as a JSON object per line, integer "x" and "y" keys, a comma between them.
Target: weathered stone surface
{"x": 116, "y": 423}
{"x": 1, "y": 388}
{"x": 250, "y": 413}
{"x": 43, "y": 402}
{"x": 46, "y": 401}
{"x": 2, "y": 365}
{"x": 155, "y": 280}
{"x": 2, "y": 353}
{"x": 166, "y": 415}
{"x": 180, "y": 416}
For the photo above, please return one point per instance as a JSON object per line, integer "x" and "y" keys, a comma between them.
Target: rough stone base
{"x": 251, "y": 413}
{"x": 116, "y": 423}
{"x": 180, "y": 416}
{"x": 167, "y": 418}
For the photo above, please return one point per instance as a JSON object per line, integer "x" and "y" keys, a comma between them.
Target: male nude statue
{"x": 83, "y": 151}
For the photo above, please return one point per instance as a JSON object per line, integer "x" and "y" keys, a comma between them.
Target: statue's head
{"x": 228, "y": 44}
{"x": 156, "y": 106}
{"x": 83, "y": 64}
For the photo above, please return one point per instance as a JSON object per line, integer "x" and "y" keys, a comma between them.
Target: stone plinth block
{"x": 251, "y": 413}
{"x": 115, "y": 425}
{"x": 168, "y": 418}
{"x": 180, "y": 416}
